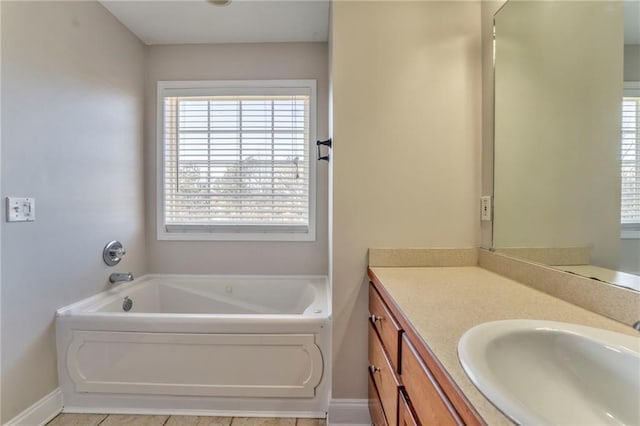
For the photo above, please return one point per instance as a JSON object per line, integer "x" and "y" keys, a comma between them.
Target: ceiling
{"x": 241, "y": 21}
{"x": 251, "y": 21}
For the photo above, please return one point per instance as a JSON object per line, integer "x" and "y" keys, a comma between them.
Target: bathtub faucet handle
{"x": 113, "y": 253}
{"x": 118, "y": 277}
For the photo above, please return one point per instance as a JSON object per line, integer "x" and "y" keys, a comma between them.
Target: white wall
{"x": 406, "y": 80}
{"x": 72, "y": 99}
{"x": 558, "y": 91}
{"x": 237, "y": 62}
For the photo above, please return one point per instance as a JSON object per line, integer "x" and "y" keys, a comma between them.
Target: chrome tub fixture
{"x": 113, "y": 253}
{"x": 118, "y": 277}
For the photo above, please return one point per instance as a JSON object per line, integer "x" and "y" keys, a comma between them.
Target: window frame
{"x": 630, "y": 231}
{"x": 233, "y": 87}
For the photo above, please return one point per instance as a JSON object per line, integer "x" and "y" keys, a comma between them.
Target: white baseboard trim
{"x": 350, "y": 412}
{"x": 41, "y": 412}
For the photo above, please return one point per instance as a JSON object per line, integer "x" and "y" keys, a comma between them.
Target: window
{"x": 630, "y": 161}
{"x": 235, "y": 160}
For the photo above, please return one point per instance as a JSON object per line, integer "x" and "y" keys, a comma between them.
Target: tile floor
{"x": 68, "y": 419}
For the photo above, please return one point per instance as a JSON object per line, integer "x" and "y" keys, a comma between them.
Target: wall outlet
{"x": 20, "y": 209}
{"x": 485, "y": 208}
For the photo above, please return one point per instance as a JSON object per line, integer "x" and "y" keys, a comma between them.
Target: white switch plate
{"x": 21, "y": 209}
{"x": 485, "y": 208}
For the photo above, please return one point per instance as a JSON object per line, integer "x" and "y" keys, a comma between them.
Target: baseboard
{"x": 348, "y": 412}
{"x": 41, "y": 412}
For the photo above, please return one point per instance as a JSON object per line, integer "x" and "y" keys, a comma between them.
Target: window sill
{"x": 164, "y": 235}
{"x": 630, "y": 231}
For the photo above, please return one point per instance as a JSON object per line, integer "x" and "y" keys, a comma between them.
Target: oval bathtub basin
{"x": 554, "y": 373}
{"x": 185, "y": 344}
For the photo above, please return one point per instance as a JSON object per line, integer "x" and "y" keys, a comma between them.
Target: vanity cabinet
{"x": 431, "y": 405}
{"x": 375, "y": 406}
{"x": 384, "y": 339}
{"x": 385, "y": 378}
{"x": 386, "y": 327}
{"x": 406, "y": 416}
{"x": 407, "y": 385}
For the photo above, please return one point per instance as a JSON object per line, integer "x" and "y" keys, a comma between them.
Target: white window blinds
{"x": 237, "y": 163}
{"x": 630, "y": 160}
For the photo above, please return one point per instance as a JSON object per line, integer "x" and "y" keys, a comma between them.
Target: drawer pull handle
{"x": 374, "y": 369}
{"x": 375, "y": 318}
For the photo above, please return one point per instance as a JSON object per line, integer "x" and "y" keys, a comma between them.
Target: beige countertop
{"x": 444, "y": 302}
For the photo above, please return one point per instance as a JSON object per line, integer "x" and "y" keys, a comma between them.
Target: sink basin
{"x": 545, "y": 372}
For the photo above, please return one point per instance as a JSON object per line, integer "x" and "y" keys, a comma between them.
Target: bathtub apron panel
{"x": 245, "y": 365}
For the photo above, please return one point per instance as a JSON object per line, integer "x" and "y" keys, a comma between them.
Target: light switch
{"x": 485, "y": 208}
{"x": 21, "y": 209}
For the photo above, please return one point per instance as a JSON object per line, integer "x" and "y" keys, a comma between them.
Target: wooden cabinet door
{"x": 384, "y": 377}
{"x": 406, "y": 417}
{"x": 375, "y": 406}
{"x": 385, "y": 325}
{"x": 429, "y": 402}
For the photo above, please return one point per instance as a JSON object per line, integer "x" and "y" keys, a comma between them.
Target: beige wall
{"x": 72, "y": 97}
{"x": 558, "y": 91}
{"x": 237, "y": 62}
{"x": 406, "y": 80}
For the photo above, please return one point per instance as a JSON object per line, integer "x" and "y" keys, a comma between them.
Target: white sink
{"x": 545, "y": 372}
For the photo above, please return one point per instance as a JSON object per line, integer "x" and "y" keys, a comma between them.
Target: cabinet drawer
{"x": 375, "y": 407}
{"x": 385, "y": 325}
{"x": 429, "y": 402}
{"x": 406, "y": 416}
{"x": 384, "y": 377}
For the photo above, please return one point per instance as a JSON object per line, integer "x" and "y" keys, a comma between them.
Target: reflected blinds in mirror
{"x": 630, "y": 158}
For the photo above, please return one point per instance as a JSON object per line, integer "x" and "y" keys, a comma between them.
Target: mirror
{"x": 558, "y": 104}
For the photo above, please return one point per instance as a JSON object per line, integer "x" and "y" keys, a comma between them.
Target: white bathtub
{"x": 209, "y": 345}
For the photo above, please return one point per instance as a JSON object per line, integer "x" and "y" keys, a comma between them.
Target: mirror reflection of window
{"x": 630, "y": 161}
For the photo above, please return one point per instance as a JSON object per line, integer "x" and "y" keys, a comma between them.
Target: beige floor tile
{"x": 198, "y": 421}
{"x": 311, "y": 422}
{"x": 262, "y": 421}
{"x": 128, "y": 420}
{"x": 71, "y": 419}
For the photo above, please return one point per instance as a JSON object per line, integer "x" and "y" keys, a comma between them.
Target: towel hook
{"x": 326, "y": 143}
